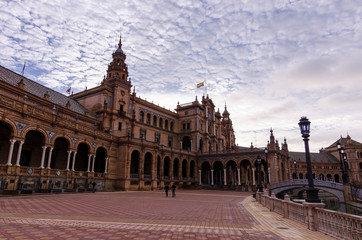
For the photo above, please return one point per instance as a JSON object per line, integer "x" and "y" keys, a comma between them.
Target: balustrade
{"x": 336, "y": 224}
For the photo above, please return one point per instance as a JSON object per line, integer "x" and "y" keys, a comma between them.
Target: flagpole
{"x": 205, "y": 88}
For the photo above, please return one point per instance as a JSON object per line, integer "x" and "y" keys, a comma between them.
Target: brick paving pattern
{"x": 144, "y": 215}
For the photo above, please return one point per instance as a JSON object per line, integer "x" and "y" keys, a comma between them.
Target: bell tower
{"x": 118, "y": 68}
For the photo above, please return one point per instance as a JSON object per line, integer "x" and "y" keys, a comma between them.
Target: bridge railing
{"x": 302, "y": 182}
{"x": 336, "y": 224}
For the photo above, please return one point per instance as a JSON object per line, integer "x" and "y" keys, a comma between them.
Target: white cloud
{"x": 271, "y": 61}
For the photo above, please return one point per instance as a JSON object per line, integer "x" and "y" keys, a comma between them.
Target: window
{"x": 148, "y": 119}
{"x": 142, "y": 117}
{"x": 360, "y": 165}
{"x": 166, "y": 124}
{"x": 170, "y": 141}
{"x": 160, "y": 124}
{"x": 157, "y": 137}
{"x": 186, "y": 112}
{"x": 119, "y": 126}
{"x": 155, "y": 121}
{"x": 171, "y": 126}
{"x": 143, "y": 133}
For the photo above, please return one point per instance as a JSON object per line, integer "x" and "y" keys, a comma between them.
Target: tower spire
{"x": 120, "y": 41}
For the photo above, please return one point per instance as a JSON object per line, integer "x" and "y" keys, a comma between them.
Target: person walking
{"x": 166, "y": 190}
{"x": 173, "y": 187}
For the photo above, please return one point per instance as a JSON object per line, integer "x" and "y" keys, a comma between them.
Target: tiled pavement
{"x": 145, "y": 215}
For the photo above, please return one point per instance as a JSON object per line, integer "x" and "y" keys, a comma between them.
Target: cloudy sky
{"x": 270, "y": 61}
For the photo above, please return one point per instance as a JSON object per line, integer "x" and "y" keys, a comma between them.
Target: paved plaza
{"x": 145, "y": 215}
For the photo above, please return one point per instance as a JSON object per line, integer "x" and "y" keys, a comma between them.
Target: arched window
{"x": 360, "y": 165}
{"x": 160, "y": 123}
{"x": 166, "y": 124}
{"x": 171, "y": 126}
{"x": 155, "y": 121}
{"x": 142, "y": 116}
{"x": 148, "y": 121}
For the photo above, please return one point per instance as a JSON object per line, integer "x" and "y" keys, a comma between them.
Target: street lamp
{"x": 295, "y": 166}
{"x": 267, "y": 167}
{"x": 341, "y": 152}
{"x": 260, "y": 186}
{"x": 312, "y": 193}
{"x": 346, "y": 177}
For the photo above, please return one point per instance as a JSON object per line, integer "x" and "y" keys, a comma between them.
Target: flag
{"x": 200, "y": 84}
{"x": 22, "y": 71}
{"x": 68, "y": 90}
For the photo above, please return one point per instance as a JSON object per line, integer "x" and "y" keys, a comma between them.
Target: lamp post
{"x": 295, "y": 167}
{"x": 312, "y": 193}
{"x": 341, "y": 152}
{"x": 260, "y": 186}
{"x": 267, "y": 166}
{"x": 346, "y": 177}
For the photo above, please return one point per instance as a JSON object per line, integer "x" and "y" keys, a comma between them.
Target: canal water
{"x": 331, "y": 202}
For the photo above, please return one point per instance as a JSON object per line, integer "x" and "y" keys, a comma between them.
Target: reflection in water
{"x": 331, "y": 202}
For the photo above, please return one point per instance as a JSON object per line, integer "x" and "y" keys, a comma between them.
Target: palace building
{"x": 110, "y": 136}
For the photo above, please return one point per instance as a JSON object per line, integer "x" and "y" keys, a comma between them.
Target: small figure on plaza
{"x": 166, "y": 190}
{"x": 173, "y": 187}
{"x": 94, "y": 187}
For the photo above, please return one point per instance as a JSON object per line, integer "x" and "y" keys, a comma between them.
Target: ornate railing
{"x": 336, "y": 224}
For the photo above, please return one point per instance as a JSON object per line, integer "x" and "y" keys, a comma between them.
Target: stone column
{"x": 212, "y": 176}
{"x": 89, "y": 159}
{"x": 239, "y": 182}
{"x": 68, "y": 159}
{"x": 12, "y": 142}
{"x": 106, "y": 165}
{"x": 224, "y": 176}
{"x": 200, "y": 177}
{"x": 19, "y": 153}
{"x": 73, "y": 163}
{"x": 94, "y": 159}
{"x": 50, "y": 157}
{"x": 253, "y": 175}
{"x": 43, "y": 157}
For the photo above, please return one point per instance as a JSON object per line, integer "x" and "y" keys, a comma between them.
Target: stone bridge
{"x": 337, "y": 189}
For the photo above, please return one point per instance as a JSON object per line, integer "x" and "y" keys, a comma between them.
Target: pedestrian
{"x": 173, "y": 187}
{"x": 166, "y": 190}
{"x": 94, "y": 187}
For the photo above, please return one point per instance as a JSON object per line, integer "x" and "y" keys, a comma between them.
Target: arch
{"x": 160, "y": 122}
{"x": 6, "y": 132}
{"x": 11, "y": 125}
{"x": 66, "y": 137}
{"x": 245, "y": 168}
{"x": 300, "y": 175}
{"x": 329, "y": 177}
{"x": 100, "y": 160}
{"x": 154, "y": 120}
{"x": 171, "y": 126}
{"x": 218, "y": 172}
{"x": 166, "y": 124}
{"x": 205, "y": 173}
{"x": 231, "y": 173}
{"x": 148, "y": 118}
{"x": 175, "y": 167}
{"x": 76, "y": 145}
{"x": 60, "y": 153}
{"x": 321, "y": 176}
{"x": 142, "y": 116}
{"x": 166, "y": 167}
{"x": 135, "y": 160}
{"x": 158, "y": 167}
{"x": 186, "y": 143}
{"x": 184, "y": 168}
{"x": 192, "y": 169}
{"x": 294, "y": 176}
{"x": 34, "y": 128}
{"x": 32, "y": 149}
{"x": 81, "y": 159}
{"x": 336, "y": 178}
{"x": 147, "y": 166}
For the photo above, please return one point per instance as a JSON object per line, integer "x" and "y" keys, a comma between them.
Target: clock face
{"x": 123, "y": 93}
